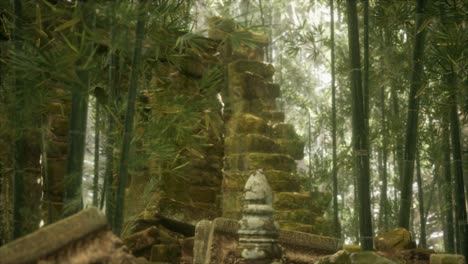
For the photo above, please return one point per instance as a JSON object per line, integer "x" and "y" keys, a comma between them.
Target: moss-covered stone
{"x": 219, "y": 27}
{"x": 320, "y": 202}
{"x": 291, "y": 201}
{"x": 203, "y": 194}
{"x": 254, "y": 161}
{"x": 262, "y": 105}
{"x": 260, "y": 68}
{"x": 284, "y": 130}
{"x": 59, "y": 127}
{"x": 247, "y": 124}
{"x": 166, "y": 253}
{"x": 298, "y": 216}
{"x": 340, "y": 257}
{"x": 192, "y": 66}
{"x": 369, "y": 257}
{"x": 257, "y": 87}
{"x": 184, "y": 213}
{"x": 56, "y": 149}
{"x": 293, "y": 147}
{"x": 351, "y": 248}
{"x": 395, "y": 240}
{"x": 273, "y": 116}
{"x": 250, "y": 143}
{"x": 447, "y": 259}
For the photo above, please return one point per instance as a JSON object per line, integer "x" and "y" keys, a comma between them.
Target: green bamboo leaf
{"x": 424, "y": 25}
{"x": 69, "y": 43}
{"x": 67, "y": 24}
{"x": 421, "y": 90}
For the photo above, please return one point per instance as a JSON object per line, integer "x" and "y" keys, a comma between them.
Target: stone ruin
{"x": 85, "y": 238}
{"x": 200, "y": 216}
{"x": 81, "y": 238}
{"x": 247, "y": 132}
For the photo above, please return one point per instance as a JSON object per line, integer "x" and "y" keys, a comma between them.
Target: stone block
{"x": 297, "y": 216}
{"x": 340, "y": 257}
{"x": 200, "y": 247}
{"x": 183, "y": 213}
{"x": 273, "y": 116}
{"x": 58, "y": 241}
{"x": 250, "y": 143}
{"x": 142, "y": 239}
{"x": 60, "y": 108}
{"x": 57, "y": 149}
{"x": 263, "y": 106}
{"x": 166, "y": 253}
{"x": 395, "y": 240}
{"x": 291, "y": 201}
{"x": 202, "y": 194}
{"x": 187, "y": 246}
{"x": 369, "y": 257}
{"x": 191, "y": 65}
{"x": 256, "y": 67}
{"x": 247, "y": 124}
{"x": 254, "y": 161}
{"x": 201, "y": 177}
{"x": 255, "y": 87}
{"x": 292, "y": 147}
{"x": 447, "y": 259}
{"x": 59, "y": 127}
{"x": 284, "y": 130}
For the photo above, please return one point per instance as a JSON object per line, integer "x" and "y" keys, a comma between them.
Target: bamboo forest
{"x": 233, "y": 131}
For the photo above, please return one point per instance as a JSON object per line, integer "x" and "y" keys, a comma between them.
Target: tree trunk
{"x": 108, "y": 192}
{"x": 336, "y": 221}
{"x": 365, "y": 84}
{"x": 128, "y": 129}
{"x": 360, "y": 130}
{"x": 73, "y": 200}
{"x": 97, "y": 153}
{"x": 412, "y": 118}
{"x": 448, "y": 190}
{"x": 383, "y": 216}
{"x": 422, "y": 220}
{"x": 460, "y": 206}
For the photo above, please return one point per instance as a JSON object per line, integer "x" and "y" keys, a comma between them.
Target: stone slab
{"x": 447, "y": 259}
{"x": 183, "y": 213}
{"x": 52, "y": 238}
{"x": 250, "y": 143}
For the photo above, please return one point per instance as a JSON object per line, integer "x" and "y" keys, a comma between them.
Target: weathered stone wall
{"x": 180, "y": 116}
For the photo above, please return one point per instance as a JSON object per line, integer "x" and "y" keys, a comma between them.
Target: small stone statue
{"x": 258, "y": 232}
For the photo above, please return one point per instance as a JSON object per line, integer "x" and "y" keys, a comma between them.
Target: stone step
{"x": 247, "y": 124}
{"x": 293, "y": 147}
{"x": 291, "y": 201}
{"x": 256, "y": 67}
{"x": 298, "y": 215}
{"x": 250, "y": 143}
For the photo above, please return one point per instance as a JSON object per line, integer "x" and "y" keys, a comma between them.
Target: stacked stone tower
{"x": 256, "y": 136}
